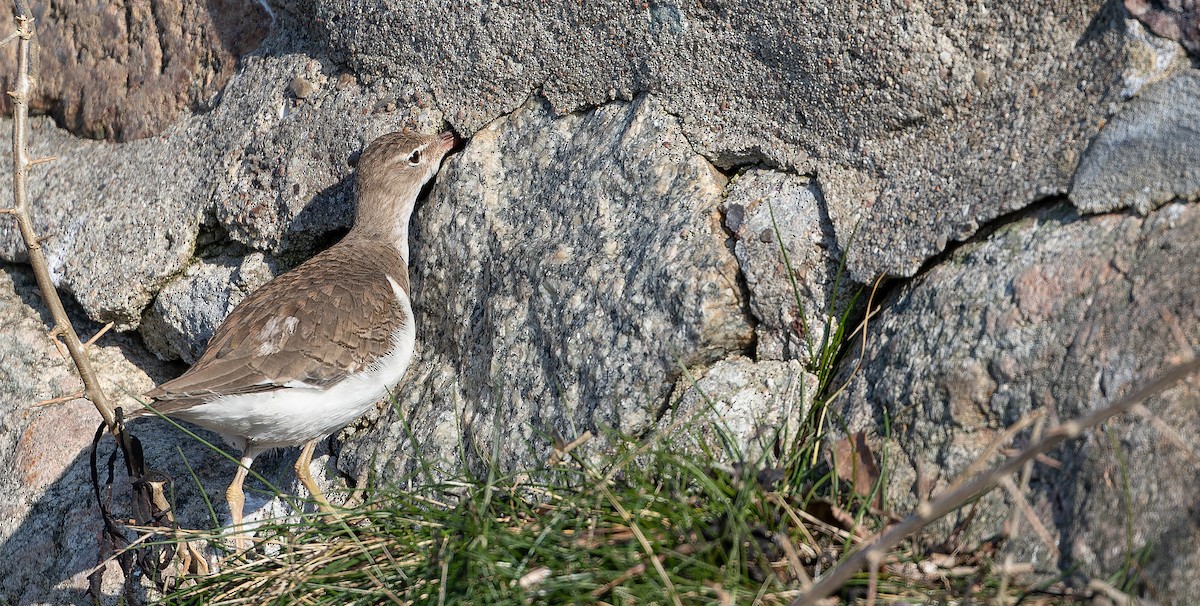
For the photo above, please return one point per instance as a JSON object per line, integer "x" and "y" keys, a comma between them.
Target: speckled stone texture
{"x": 108, "y": 71}
{"x": 1148, "y": 154}
{"x": 565, "y": 269}
{"x": 264, "y": 169}
{"x": 918, "y": 132}
{"x": 583, "y": 246}
{"x": 763, "y": 209}
{"x": 923, "y": 120}
{"x": 1056, "y": 313}
{"x": 187, "y": 311}
{"x": 49, "y": 523}
{"x": 740, "y": 410}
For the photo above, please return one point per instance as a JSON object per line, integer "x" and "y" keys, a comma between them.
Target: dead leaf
{"x": 855, "y": 463}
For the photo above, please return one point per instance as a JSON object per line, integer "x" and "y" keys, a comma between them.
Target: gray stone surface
{"x": 1054, "y": 313}
{"x": 741, "y": 410}
{"x": 48, "y": 522}
{"x": 564, "y": 270}
{"x": 579, "y": 249}
{"x": 918, "y": 132}
{"x": 263, "y": 168}
{"x": 187, "y": 311}
{"x": 1148, "y": 154}
{"x": 923, "y": 120}
{"x": 792, "y": 321}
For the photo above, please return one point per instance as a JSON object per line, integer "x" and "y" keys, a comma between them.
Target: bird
{"x": 316, "y": 347}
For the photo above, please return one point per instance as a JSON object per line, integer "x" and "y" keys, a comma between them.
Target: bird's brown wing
{"x": 332, "y": 316}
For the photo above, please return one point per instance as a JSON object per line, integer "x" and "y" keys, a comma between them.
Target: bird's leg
{"x": 302, "y": 471}
{"x": 237, "y": 501}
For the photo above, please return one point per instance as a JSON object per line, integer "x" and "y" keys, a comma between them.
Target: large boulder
{"x": 1054, "y": 314}
{"x": 108, "y": 71}
{"x": 564, "y": 272}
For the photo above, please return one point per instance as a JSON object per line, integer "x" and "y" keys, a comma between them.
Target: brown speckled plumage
{"x": 344, "y": 312}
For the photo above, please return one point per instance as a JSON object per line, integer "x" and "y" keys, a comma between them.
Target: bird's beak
{"x": 447, "y": 140}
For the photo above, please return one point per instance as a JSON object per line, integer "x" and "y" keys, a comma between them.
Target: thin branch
{"x": 58, "y": 400}
{"x": 37, "y": 259}
{"x": 951, "y": 500}
{"x": 100, "y": 333}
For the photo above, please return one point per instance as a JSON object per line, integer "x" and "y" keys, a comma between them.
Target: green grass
{"x": 666, "y": 530}
{"x": 682, "y": 534}
{"x": 652, "y": 527}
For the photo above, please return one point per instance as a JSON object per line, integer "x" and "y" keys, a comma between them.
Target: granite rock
{"x": 1148, "y": 154}
{"x": 584, "y": 248}
{"x": 564, "y": 270}
{"x": 264, "y": 169}
{"x": 187, "y": 311}
{"x": 741, "y": 410}
{"x": 778, "y": 223}
{"x": 917, "y": 133}
{"x": 1177, "y": 20}
{"x": 1055, "y": 313}
{"x": 128, "y": 72}
{"x": 923, "y": 120}
{"x": 49, "y": 523}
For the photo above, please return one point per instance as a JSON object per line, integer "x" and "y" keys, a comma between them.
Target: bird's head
{"x": 391, "y": 172}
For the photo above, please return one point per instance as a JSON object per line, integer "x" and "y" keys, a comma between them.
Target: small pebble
{"x": 302, "y": 88}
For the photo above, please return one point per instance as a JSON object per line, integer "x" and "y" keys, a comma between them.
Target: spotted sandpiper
{"x": 314, "y": 348}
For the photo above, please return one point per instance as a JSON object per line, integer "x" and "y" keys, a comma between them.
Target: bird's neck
{"x": 383, "y": 215}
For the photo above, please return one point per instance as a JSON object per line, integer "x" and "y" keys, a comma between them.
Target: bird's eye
{"x": 415, "y": 158}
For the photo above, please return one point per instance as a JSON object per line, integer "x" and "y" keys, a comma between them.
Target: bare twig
{"x": 99, "y": 333}
{"x": 58, "y": 400}
{"x": 929, "y": 511}
{"x": 37, "y": 260}
{"x": 148, "y": 558}
{"x": 1023, "y": 508}
{"x": 560, "y": 453}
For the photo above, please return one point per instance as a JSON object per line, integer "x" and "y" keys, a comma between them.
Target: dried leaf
{"x": 855, "y": 464}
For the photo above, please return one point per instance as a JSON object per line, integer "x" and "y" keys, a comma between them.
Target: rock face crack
{"x": 953, "y": 113}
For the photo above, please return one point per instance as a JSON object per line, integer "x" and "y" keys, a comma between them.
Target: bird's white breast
{"x": 295, "y": 414}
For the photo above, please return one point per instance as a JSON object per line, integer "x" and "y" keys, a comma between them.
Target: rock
{"x": 564, "y": 270}
{"x": 1056, "y": 313}
{"x": 261, "y": 169}
{"x": 574, "y": 257}
{"x": 922, "y": 120}
{"x": 916, "y": 134}
{"x": 1148, "y": 154}
{"x": 740, "y": 410}
{"x": 792, "y": 322}
{"x": 1179, "y": 20}
{"x": 186, "y": 312}
{"x": 48, "y": 519}
{"x": 127, "y": 72}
